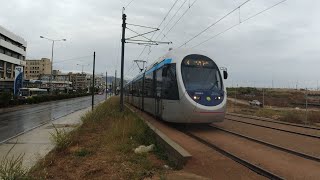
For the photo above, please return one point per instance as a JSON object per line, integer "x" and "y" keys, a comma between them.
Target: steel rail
{"x": 268, "y": 127}
{"x": 255, "y": 168}
{"x": 303, "y": 155}
{"x": 276, "y": 122}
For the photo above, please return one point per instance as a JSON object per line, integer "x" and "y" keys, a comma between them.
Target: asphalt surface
{"x": 28, "y": 117}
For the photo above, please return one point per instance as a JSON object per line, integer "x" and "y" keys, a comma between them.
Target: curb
{"x": 176, "y": 153}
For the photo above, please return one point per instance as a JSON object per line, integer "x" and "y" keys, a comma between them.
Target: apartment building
{"x": 12, "y": 54}
{"x": 61, "y": 82}
{"x": 37, "y": 67}
{"x": 79, "y": 81}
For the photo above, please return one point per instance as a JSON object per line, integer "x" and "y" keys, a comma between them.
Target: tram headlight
{"x": 196, "y": 97}
{"x": 218, "y": 98}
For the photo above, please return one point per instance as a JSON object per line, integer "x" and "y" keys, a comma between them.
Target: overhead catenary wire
{"x": 216, "y": 22}
{"x": 73, "y": 59}
{"x": 159, "y": 26}
{"x": 185, "y": 12}
{"x": 171, "y": 19}
{"x": 125, "y": 7}
{"x": 242, "y": 21}
{"x": 176, "y": 22}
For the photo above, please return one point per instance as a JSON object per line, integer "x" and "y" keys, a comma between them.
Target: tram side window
{"x": 131, "y": 89}
{"x": 169, "y": 85}
{"x": 148, "y": 85}
{"x": 137, "y": 85}
{"x": 134, "y": 92}
{"x": 159, "y": 82}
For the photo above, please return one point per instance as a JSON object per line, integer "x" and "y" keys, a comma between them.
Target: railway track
{"x": 253, "y": 154}
{"x": 262, "y": 157}
{"x": 274, "y": 128}
{"x": 303, "y": 155}
{"x": 251, "y": 166}
{"x": 273, "y": 121}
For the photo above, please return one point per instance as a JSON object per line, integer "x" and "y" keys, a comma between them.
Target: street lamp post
{"x": 51, "y": 76}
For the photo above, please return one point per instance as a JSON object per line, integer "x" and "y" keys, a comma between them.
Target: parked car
{"x": 255, "y": 103}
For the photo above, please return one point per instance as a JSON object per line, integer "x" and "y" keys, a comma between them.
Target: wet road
{"x": 18, "y": 121}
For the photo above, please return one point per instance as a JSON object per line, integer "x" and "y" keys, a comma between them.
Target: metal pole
{"x": 111, "y": 87}
{"x": 124, "y": 17}
{"x": 51, "y": 77}
{"x": 262, "y": 97}
{"x": 115, "y": 82}
{"x": 306, "y": 105}
{"x": 235, "y": 99}
{"x": 106, "y": 84}
{"x": 93, "y": 80}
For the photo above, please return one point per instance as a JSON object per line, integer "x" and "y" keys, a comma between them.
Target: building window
{"x": 8, "y": 53}
{"x": 1, "y": 69}
{"x": 8, "y": 70}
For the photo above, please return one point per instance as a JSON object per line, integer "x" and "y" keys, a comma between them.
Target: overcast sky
{"x": 280, "y": 45}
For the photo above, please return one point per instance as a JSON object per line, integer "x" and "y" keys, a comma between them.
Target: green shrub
{"x": 5, "y": 99}
{"x": 82, "y": 152}
{"x": 60, "y": 138}
{"x": 11, "y": 167}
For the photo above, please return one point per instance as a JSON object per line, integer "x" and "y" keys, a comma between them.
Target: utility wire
{"x": 160, "y": 25}
{"x": 165, "y": 35}
{"x": 215, "y": 23}
{"x": 72, "y": 59}
{"x": 129, "y": 70}
{"x": 240, "y": 23}
{"x": 185, "y": 12}
{"x": 171, "y": 19}
{"x": 128, "y": 4}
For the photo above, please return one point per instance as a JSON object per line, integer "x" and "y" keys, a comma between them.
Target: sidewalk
{"x": 36, "y": 143}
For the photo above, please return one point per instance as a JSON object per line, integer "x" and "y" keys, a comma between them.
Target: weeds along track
{"x": 269, "y": 160}
{"x": 288, "y": 128}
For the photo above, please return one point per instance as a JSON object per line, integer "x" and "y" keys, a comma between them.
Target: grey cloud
{"x": 281, "y": 44}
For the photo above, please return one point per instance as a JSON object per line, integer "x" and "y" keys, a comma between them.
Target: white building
{"x": 12, "y": 54}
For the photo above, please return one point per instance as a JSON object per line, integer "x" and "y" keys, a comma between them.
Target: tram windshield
{"x": 200, "y": 73}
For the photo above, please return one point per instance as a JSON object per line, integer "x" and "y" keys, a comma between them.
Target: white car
{"x": 255, "y": 103}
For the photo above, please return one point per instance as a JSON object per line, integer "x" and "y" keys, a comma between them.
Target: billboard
{"x": 18, "y": 80}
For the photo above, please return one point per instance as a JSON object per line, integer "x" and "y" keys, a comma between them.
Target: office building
{"x": 35, "y": 68}
{"x": 12, "y": 54}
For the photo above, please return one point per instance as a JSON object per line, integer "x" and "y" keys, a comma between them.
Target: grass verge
{"x": 60, "y": 138}
{"x": 102, "y": 148}
{"x": 11, "y": 167}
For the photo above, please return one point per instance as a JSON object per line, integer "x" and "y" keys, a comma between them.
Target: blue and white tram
{"x": 184, "y": 86}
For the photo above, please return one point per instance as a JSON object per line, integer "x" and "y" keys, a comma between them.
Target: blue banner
{"x": 18, "y": 80}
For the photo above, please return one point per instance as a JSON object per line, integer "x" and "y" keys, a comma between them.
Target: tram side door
{"x": 158, "y": 87}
